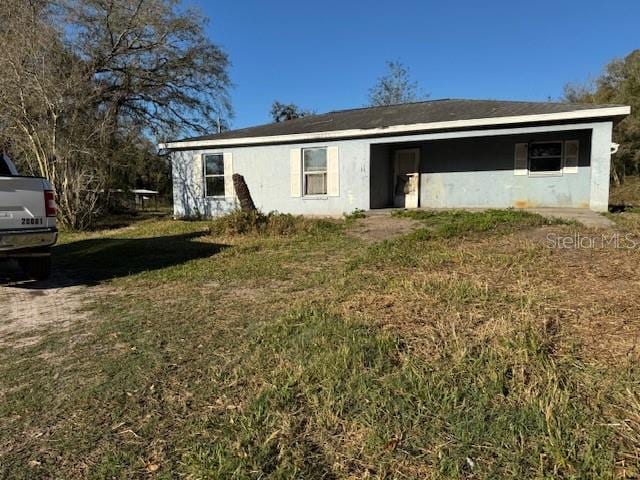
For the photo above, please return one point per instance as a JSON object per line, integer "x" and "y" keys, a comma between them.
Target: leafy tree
{"x": 619, "y": 84}
{"x": 281, "y": 112}
{"x": 395, "y": 87}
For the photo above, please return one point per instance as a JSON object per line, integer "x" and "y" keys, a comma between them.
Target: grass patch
{"x": 629, "y": 220}
{"x": 334, "y": 393}
{"x": 453, "y": 223}
{"x": 295, "y": 351}
{"x": 444, "y": 226}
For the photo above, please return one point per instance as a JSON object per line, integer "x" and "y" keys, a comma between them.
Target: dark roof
{"x": 402, "y": 114}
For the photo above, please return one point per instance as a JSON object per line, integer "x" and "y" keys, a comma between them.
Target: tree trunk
{"x": 243, "y": 194}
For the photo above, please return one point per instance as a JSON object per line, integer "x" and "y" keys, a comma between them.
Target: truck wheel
{"x": 36, "y": 268}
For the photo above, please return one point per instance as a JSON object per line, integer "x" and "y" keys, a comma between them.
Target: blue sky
{"x": 326, "y": 55}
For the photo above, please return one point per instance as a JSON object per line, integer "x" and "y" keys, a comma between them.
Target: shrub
{"x": 271, "y": 224}
{"x": 238, "y": 223}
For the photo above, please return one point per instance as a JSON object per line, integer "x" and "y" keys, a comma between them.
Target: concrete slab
{"x": 586, "y": 217}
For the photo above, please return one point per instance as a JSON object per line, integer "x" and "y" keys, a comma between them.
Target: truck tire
{"x": 36, "y": 268}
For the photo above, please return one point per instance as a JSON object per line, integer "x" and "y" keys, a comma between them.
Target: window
{"x": 213, "y": 175}
{"x": 314, "y": 171}
{"x": 545, "y": 157}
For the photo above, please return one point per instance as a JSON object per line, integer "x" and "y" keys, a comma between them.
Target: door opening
{"x": 406, "y": 178}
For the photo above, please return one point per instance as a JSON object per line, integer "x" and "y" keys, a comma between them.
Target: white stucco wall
{"x": 479, "y": 172}
{"x": 266, "y": 171}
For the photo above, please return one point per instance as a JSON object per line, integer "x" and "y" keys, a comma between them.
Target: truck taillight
{"x": 49, "y": 203}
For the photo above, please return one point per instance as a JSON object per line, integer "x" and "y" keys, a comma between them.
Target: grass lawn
{"x": 467, "y": 348}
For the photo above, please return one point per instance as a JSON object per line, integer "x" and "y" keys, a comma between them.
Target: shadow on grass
{"x": 92, "y": 261}
{"x": 122, "y": 220}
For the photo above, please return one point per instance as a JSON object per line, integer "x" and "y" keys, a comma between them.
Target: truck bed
{"x": 22, "y": 205}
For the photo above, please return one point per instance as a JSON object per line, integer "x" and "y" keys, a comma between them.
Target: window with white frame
{"x": 545, "y": 157}
{"x": 314, "y": 171}
{"x": 213, "y": 165}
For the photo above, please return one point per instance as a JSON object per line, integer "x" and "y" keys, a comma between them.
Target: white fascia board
{"x": 416, "y": 127}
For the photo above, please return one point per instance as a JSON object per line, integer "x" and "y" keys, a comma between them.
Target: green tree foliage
{"x": 619, "y": 84}
{"x": 281, "y": 112}
{"x": 394, "y": 87}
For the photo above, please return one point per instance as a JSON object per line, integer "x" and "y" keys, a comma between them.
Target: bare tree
{"x": 83, "y": 80}
{"x": 395, "y": 87}
{"x": 47, "y": 124}
{"x": 151, "y": 63}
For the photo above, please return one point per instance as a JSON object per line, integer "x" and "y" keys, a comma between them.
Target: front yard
{"x": 473, "y": 345}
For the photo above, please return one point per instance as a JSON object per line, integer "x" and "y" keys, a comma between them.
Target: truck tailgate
{"x": 22, "y": 203}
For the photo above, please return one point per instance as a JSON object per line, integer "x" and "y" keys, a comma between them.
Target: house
{"x": 434, "y": 154}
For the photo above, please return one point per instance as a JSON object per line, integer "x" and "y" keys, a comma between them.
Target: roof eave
{"x": 607, "y": 112}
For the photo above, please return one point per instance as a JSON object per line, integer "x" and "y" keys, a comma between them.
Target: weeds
{"x": 271, "y": 224}
{"x": 355, "y": 215}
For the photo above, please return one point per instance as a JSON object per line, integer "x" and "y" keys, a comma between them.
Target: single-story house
{"x": 434, "y": 154}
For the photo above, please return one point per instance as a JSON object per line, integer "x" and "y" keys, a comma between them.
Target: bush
{"x": 271, "y": 224}
{"x": 238, "y": 223}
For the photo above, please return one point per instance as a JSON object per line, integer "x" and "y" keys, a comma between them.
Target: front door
{"x": 406, "y": 186}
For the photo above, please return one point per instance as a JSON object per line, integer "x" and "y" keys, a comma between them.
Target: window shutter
{"x": 198, "y": 173}
{"x": 295, "y": 168}
{"x": 571, "y": 156}
{"x": 521, "y": 161}
{"x": 227, "y": 158}
{"x": 333, "y": 172}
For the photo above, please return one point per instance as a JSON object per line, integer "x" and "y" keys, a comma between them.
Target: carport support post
{"x": 600, "y": 166}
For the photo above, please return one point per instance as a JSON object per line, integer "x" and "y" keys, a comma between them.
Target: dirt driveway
{"x": 29, "y": 309}
{"x": 376, "y": 228}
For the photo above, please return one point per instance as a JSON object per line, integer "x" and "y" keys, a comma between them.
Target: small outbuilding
{"x": 143, "y": 197}
{"x": 435, "y": 154}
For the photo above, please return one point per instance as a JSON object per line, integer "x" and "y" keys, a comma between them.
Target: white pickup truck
{"x": 27, "y": 220}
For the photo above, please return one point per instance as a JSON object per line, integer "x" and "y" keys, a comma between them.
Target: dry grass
{"x": 627, "y": 194}
{"x": 468, "y": 349}
{"x": 485, "y": 284}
